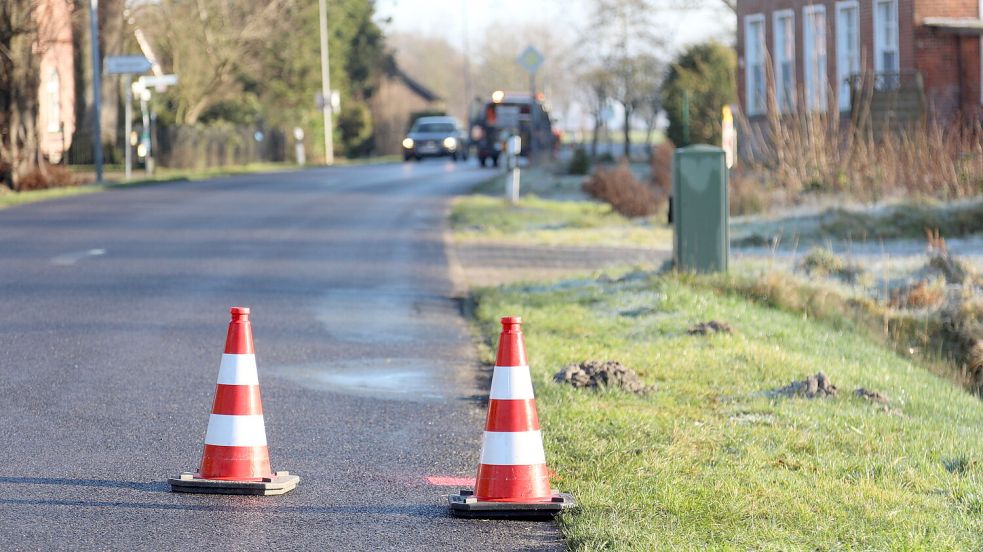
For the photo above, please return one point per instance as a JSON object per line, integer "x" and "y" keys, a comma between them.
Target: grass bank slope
{"x": 710, "y": 459}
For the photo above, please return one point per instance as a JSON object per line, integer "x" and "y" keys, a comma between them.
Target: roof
{"x": 423, "y": 92}
{"x": 956, "y": 25}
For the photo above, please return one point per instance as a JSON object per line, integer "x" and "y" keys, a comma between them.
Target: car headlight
{"x": 450, "y": 142}
{"x": 407, "y": 143}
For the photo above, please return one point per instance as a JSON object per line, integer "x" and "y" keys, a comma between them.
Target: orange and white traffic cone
{"x": 236, "y": 459}
{"x": 513, "y": 481}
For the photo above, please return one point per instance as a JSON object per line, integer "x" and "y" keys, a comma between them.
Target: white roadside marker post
{"x": 513, "y": 147}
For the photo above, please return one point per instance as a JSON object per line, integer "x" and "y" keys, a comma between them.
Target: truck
{"x": 508, "y": 114}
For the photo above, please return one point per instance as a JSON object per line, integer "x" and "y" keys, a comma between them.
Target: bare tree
{"x": 210, "y": 44}
{"x": 649, "y": 96}
{"x": 20, "y": 150}
{"x": 625, "y": 33}
{"x": 597, "y": 86}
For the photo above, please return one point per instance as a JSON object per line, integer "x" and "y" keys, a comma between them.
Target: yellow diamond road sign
{"x": 530, "y": 59}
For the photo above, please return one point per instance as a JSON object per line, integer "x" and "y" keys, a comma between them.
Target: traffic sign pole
{"x": 531, "y": 59}
{"x": 533, "y": 115}
{"x": 128, "y": 126}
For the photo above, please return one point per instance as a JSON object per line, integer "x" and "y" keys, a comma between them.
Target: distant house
{"x": 397, "y": 98}
{"x": 920, "y": 58}
{"x": 56, "y": 93}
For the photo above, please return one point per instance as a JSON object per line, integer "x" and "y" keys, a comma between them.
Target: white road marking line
{"x": 69, "y": 259}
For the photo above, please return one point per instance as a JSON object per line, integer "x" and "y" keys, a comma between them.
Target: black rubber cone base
{"x": 281, "y": 482}
{"x": 467, "y": 505}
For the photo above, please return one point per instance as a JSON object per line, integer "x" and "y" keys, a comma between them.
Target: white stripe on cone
{"x": 236, "y": 431}
{"x": 511, "y": 382}
{"x": 512, "y": 448}
{"x": 238, "y": 370}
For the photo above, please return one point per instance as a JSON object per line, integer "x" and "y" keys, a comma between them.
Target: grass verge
{"x": 537, "y": 221}
{"x": 901, "y": 221}
{"x": 710, "y": 460}
{"x": 113, "y": 179}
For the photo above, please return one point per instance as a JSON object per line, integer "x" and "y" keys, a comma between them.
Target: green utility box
{"x": 701, "y": 242}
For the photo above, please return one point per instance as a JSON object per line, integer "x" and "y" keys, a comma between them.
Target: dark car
{"x": 435, "y": 137}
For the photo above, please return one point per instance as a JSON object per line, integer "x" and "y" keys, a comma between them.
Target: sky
{"x": 450, "y": 18}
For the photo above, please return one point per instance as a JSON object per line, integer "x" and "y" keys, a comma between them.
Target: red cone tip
{"x": 511, "y": 349}
{"x": 239, "y": 340}
{"x": 511, "y": 322}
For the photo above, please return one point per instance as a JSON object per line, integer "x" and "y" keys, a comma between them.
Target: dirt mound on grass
{"x": 596, "y": 374}
{"x": 819, "y": 386}
{"x": 713, "y": 326}
{"x": 871, "y": 395}
{"x": 812, "y": 387}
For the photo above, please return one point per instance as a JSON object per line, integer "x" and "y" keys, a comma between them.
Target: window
{"x": 784, "y": 48}
{"x": 814, "y": 56}
{"x": 53, "y": 93}
{"x": 754, "y": 63}
{"x": 847, "y": 48}
{"x": 886, "y": 59}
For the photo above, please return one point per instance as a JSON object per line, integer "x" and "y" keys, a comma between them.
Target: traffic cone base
{"x": 276, "y": 484}
{"x": 235, "y": 459}
{"x": 466, "y": 505}
{"x": 513, "y": 480}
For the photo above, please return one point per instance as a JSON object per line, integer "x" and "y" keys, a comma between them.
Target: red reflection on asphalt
{"x": 450, "y": 481}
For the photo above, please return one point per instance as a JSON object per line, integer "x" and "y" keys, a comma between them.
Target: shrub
{"x": 49, "y": 176}
{"x": 619, "y": 187}
{"x": 580, "y": 162}
{"x": 704, "y": 73}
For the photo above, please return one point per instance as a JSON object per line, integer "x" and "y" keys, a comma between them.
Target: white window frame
{"x": 815, "y": 62}
{"x": 784, "y": 91}
{"x": 755, "y": 99}
{"x": 53, "y": 99}
{"x": 880, "y": 48}
{"x": 847, "y": 61}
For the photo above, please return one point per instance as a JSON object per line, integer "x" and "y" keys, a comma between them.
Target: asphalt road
{"x": 113, "y": 314}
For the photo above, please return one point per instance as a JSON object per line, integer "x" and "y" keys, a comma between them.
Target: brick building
{"x": 804, "y": 53}
{"x": 56, "y": 93}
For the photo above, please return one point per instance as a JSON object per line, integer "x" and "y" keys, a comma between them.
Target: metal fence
{"x": 199, "y": 147}
{"x": 191, "y": 147}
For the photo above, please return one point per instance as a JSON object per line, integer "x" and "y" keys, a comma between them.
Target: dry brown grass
{"x": 810, "y": 152}
{"x": 661, "y": 166}
{"x": 48, "y": 176}
{"x": 619, "y": 187}
{"x": 922, "y": 294}
{"x": 746, "y": 194}
{"x": 962, "y": 328}
{"x": 975, "y": 366}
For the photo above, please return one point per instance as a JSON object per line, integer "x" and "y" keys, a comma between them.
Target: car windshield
{"x": 433, "y": 127}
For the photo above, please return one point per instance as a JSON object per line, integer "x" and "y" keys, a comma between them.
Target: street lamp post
{"x": 325, "y": 85}
{"x": 96, "y": 89}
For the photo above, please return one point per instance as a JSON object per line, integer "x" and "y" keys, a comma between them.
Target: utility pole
{"x": 325, "y": 85}
{"x": 468, "y": 99}
{"x": 96, "y": 88}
